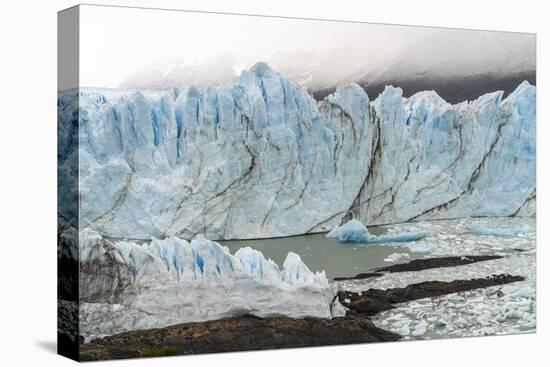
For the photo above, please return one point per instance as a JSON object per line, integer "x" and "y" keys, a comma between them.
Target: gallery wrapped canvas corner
{"x": 236, "y": 182}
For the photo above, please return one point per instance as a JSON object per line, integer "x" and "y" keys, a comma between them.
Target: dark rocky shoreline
{"x": 235, "y": 334}
{"x": 423, "y": 264}
{"x": 436, "y": 262}
{"x": 246, "y": 333}
{"x": 373, "y": 301}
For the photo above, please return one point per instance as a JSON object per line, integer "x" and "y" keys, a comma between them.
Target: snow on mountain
{"x": 262, "y": 158}
{"x": 125, "y": 286}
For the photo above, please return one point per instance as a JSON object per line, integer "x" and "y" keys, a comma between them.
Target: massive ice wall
{"x": 126, "y": 286}
{"x": 262, "y": 158}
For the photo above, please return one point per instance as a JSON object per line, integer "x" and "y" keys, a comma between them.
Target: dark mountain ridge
{"x": 453, "y": 90}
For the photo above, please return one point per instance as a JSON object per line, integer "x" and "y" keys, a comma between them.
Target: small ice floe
{"x": 420, "y": 329}
{"x": 419, "y": 247}
{"x": 519, "y": 291}
{"x": 504, "y": 232}
{"x": 396, "y": 256}
{"x": 404, "y": 331}
{"x": 355, "y": 232}
{"x": 337, "y": 309}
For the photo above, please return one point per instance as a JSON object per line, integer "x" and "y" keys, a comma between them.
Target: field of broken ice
{"x": 504, "y": 309}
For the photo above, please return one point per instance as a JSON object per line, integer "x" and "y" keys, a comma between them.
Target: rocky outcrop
{"x": 360, "y": 276}
{"x": 372, "y": 301}
{"x": 436, "y": 262}
{"x": 422, "y": 264}
{"x": 235, "y": 334}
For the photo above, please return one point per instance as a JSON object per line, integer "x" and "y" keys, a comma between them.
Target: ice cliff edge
{"x": 262, "y": 158}
{"x": 172, "y": 281}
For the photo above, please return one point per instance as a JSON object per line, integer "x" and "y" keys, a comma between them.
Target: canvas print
{"x": 235, "y": 182}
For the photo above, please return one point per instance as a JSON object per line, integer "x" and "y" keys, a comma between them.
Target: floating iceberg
{"x": 262, "y": 158}
{"x": 352, "y": 231}
{"x": 355, "y": 232}
{"x": 125, "y": 286}
{"x": 504, "y": 232}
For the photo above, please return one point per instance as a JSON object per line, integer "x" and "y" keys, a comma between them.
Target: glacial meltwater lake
{"x": 321, "y": 253}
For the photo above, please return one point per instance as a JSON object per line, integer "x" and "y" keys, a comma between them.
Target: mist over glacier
{"x": 458, "y": 64}
{"x": 262, "y": 158}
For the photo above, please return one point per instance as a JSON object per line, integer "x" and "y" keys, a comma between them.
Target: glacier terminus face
{"x": 262, "y": 158}
{"x": 127, "y": 286}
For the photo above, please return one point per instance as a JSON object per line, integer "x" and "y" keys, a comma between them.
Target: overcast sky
{"x": 118, "y": 42}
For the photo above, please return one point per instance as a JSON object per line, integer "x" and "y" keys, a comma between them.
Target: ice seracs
{"x": 262, "y": 158}
{"x": 126, "y": 286}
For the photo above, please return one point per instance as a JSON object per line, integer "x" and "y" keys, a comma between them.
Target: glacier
{"x": 355, "y": 232}
{"x": 128, "y": 286}
{"x": 260, "y": 157}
